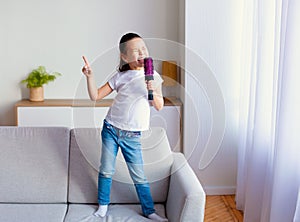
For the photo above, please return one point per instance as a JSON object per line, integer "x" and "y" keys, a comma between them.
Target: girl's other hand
{"x": 150, "y": 85}
{"x": 86, "y": 69}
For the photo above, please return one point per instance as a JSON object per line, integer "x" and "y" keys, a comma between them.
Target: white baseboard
{"x": 219, "y": 190}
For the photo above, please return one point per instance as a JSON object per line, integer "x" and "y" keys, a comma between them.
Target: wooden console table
{"x": 84, "y": 113}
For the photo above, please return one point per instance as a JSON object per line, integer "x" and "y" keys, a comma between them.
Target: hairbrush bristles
{"x": 148, "y": 66}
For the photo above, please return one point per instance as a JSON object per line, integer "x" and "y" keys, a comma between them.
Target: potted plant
{"x": 35, "y": 81}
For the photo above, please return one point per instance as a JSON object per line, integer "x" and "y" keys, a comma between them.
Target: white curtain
{"x": 269, "y": 147}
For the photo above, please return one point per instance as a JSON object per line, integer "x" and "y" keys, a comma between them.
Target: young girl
{"x": 127, "y": 117}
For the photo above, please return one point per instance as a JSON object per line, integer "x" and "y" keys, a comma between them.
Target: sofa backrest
{"x": 85, "y": 152}
{"x": 34, "y": 164}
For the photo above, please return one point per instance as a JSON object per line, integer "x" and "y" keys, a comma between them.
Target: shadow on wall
{"x": 24, "y": 91}
{"x": 7, "y": 115}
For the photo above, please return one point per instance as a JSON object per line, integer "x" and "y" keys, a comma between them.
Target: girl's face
{"x": 135, "y": 53}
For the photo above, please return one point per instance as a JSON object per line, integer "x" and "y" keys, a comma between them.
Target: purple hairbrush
{"x": 148, "y": 68}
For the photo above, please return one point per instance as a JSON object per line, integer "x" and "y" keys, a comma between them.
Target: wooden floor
{"x": 222, "y": 209}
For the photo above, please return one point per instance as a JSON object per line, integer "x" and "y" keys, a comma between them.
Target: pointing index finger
{"x": 85, "y": 61}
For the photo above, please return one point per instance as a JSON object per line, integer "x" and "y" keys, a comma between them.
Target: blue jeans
{"x": 130, "y": 144}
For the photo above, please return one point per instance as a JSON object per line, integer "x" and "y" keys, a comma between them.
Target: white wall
{"x": 213, "y": 39}
{"x": 57, "y": 33}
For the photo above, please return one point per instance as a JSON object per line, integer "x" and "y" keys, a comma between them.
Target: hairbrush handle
{"x": 148, "y": 68}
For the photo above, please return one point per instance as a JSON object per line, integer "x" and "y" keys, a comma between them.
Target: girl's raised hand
{"x": 86, "y": 69}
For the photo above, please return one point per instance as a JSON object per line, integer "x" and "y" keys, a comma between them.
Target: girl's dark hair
{"x": 122, "y": 47}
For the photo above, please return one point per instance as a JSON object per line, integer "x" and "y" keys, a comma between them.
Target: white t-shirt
{"x": 130, "y": 109}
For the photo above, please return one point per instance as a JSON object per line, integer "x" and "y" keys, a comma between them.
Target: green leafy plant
{"x": 39, "y": 76}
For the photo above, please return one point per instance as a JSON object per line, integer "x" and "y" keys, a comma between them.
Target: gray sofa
{"x": 49, "y": 174}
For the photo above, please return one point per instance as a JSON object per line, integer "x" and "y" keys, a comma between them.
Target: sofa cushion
{"x": 32, "y": 212}
{"x": 119, "y": 213}
{"x": 34, "y": 164}
{"x": 85, "y": 154}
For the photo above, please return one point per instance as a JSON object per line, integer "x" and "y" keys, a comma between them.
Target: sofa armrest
{"x": 186, "y": 197}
